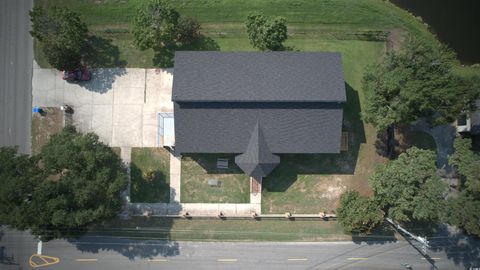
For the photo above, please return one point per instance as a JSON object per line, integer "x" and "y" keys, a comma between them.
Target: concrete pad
{"x": 74, "y": 95}
{"x": 44, "y": 79}
{"x": 150, "y": 114}
{"x": 152, "y": 85}
{"x": 39, "y": 100}
{"x": 133, "y": 78}
{"x": 126, "y": 136}
{"x": 149, "y": 136}
{"x": 104, "y": 98}
{"x": 126, "y": 115}
{"x": 82, "y": 118}
{"x": 130, "y": 95}
{"x": 55, "y": 98}
{"x": 102, "y": 122}
{"x": 59, "y": 82}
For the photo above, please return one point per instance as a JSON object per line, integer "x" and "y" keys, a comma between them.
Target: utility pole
{"x": 422, "y": 240}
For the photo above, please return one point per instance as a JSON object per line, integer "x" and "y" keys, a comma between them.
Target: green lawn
{"x": 309, "y": 22}
{"x": 156, "y": 189}
{"x": 234, "y": 185}
{"x": 313, "y": 183}
{"x": 234, "y": 230}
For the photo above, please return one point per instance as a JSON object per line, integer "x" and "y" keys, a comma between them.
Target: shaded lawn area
{"x": 155, "y": 161}
{"x": 198, "y": 229}
{"x": 313, "y": 183}
{"x": 43, "y": 126}
{"x": 197, "y": 169}
{"x": 406, "y": 137}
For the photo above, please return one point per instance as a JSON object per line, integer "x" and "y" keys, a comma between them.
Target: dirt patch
{"x": 49, "y": 122}
{"x": 395, "y": 39}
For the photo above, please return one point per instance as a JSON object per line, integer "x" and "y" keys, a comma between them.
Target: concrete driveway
{"x": 120, "y": 105}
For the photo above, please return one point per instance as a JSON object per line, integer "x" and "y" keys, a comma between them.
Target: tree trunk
{"x": 391, "y": 141}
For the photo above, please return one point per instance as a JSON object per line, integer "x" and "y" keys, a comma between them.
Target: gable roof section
{"x": 257, "y": 161}
{"x": 258, "y": 77}
{"x": 286, "y": 127}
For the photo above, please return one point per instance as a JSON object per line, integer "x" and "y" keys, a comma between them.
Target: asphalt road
{"x": 16, "y": 55}
{"x": 112, "y": 253}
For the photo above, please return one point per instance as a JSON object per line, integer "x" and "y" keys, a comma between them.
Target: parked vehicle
{"x": 77, "y": 75}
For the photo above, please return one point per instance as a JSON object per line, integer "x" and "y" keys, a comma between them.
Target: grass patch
{"x": 153, "y": 188}
{"x": 43, "y": 126}
{"x": 313, "y": 183}
{"x": 309, "y": 22}
{"x": 234, "y": 185}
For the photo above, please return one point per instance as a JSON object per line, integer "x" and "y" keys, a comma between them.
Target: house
{"x": 258, "y": 105}
{"x": 470, "y": 123}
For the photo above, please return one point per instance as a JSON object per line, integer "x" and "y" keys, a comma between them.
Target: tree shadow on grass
{"x": 100, "y": 52}
{"x": 136, "y": 238}
{"x": 292, "y": 165}
{"x": 164, "y": 56}
{"x": 156, "y": 190}
{"x": 382, "y": 234}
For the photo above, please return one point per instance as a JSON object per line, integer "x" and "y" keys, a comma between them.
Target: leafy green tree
{"x": 155, "y": 25}
{"x": 464, "y": 211}
{"x": 416, "y": 82}
{"x": 19, "y": 176}
{"x": 266, "y": 33}
{"x": 188, "y": 30}
{"x": 467, "y": 163}
{"x": 357, "y": 213}
{"x": 62, "y": 36}
{"x": 76, "y": 182}
{"x": 408, "y": 188}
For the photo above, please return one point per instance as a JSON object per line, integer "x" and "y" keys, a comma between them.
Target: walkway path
{"x": 175, "y": 170}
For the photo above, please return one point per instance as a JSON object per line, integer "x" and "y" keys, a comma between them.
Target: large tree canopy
{"x": 464, "y": 210}
{"x": 266, "y": 33}
{"x": 62, "y": 36}
{"x": 81, "y": 184}
{"x": 408, "y": 188}
{"x": 416, "y": 82}
{"x": 358, "y": 214}
{"x": 155, "y": 25}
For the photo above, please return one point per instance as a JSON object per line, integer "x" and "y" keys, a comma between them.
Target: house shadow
{"x": 135, "y": 238}
{"x": 164, "y": 56}
{"x": 293, "y": 165}
{"x": 208, "y": 162}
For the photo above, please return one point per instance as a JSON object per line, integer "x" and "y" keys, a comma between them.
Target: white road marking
{"x": 39, "y": 247}
{"x": 297, "y": 259}
{"x": 157, "y": 260}
{"x": 227, "y": 260}
{"x": 86, "y": 260}
{"x": 357, "y": 259}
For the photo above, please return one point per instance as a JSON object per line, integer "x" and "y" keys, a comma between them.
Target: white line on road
{"x": 86, "y": 260}
{"x": 433, "y": 258}
{"x": 157, "y": 260}
{"x": 356, "y": 259}
{"x": 227, "y": 260}
{"x": 297, "y": 259}
{"x": 39, "y": 248}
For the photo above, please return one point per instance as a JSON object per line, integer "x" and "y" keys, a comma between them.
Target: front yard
{"x": 45, "y": 125}
{"x": 150, "y": 175}
{"x": 233, "y": 185}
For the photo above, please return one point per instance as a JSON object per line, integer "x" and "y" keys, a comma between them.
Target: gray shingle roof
{"x": 258, "y": 76}
{"x": 286, "y": 127}
{"x": 257, "y": 160}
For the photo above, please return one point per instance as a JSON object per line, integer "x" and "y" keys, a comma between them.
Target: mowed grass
{"x": 313, "y": 183}
{"x": 156, "y": 189}
{"x": 233, "y": 184}
{"x": 309, "y": 21}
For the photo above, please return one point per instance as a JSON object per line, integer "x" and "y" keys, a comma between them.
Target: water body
{"x": 456, "y": 23}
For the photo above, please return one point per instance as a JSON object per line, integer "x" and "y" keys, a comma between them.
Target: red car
{"x": 77, "y": 75}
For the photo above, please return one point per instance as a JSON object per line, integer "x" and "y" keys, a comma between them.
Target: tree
{"x": 416, "y": 82}
{"x": 188, "y": 30}
{"x": 358, "y": 214}
{"x": 155, "y": 25}
{"x": 464, "y": 211}
{"x": 467, "y": 163}
{"x": 80, "y": 184}
{"x": 408, "y": 188}
{"x": 61, "y": 34}
{"x": 266, "y": 33}
{"x": 19, "y": 176}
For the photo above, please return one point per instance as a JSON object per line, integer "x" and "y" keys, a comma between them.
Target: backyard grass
{"x": 235, "y": 230}
{"x": 233, "y": 187}
{"x": 153, "y": 189}
{"x": 43, "y": 126}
